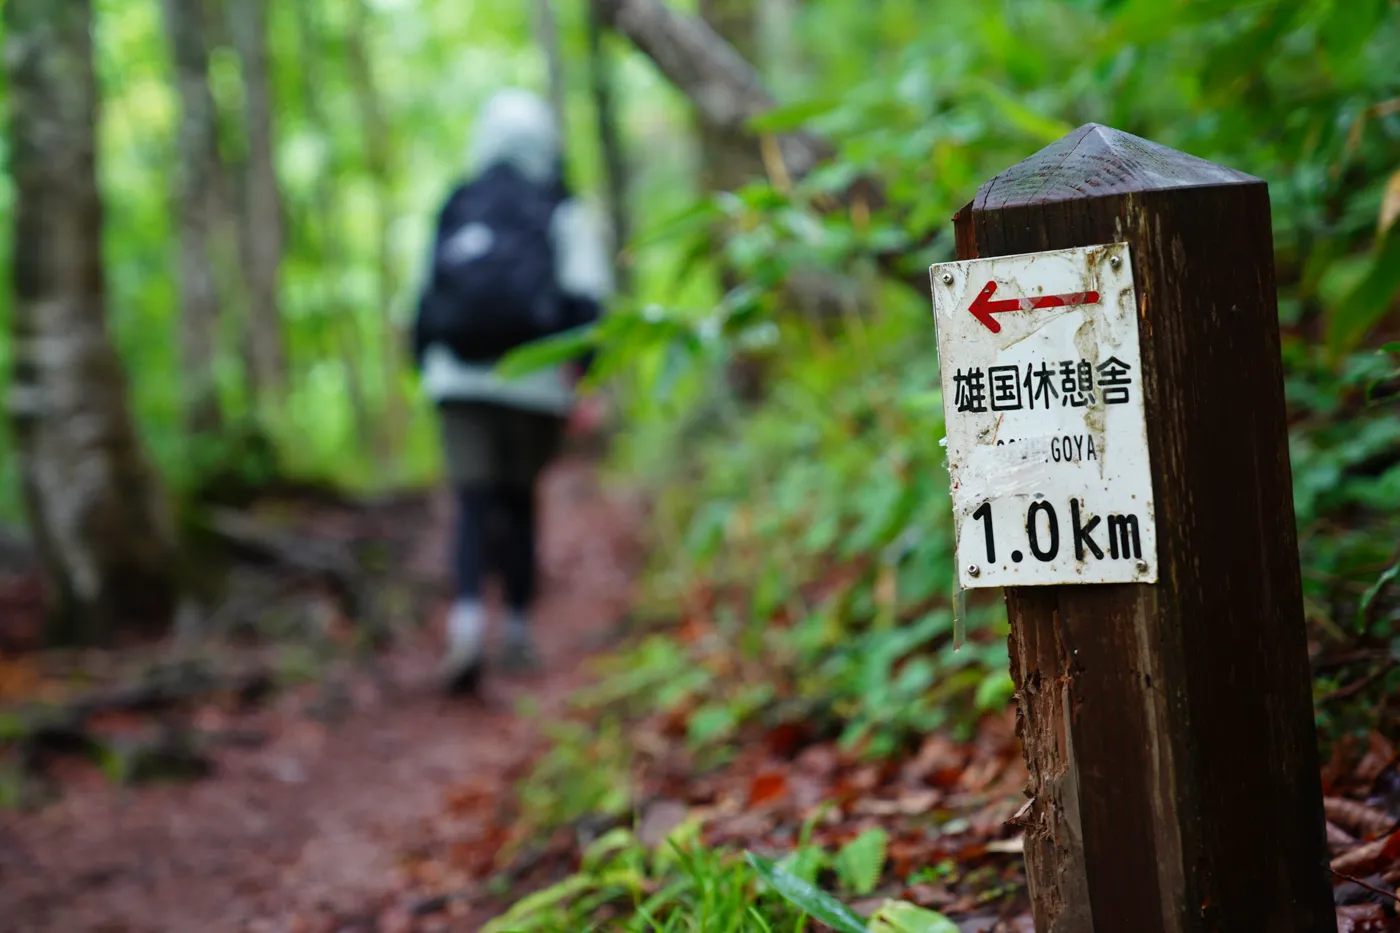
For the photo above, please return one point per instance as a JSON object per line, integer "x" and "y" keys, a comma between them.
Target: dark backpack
{"x": 493, "y": 285}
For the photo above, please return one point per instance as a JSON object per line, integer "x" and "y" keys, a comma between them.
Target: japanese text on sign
{"x": 1069, "y": 382}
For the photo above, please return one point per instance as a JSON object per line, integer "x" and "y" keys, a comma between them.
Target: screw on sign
{"x": 1113, "y": 399}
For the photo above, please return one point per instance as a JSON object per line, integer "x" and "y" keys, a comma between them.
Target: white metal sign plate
{"x": 1047, "y": 435}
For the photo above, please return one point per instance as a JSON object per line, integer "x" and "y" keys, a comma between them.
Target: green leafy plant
{"x": 807, "y": 897}
{"x": 903, "y": 917}
{"x": 859, "y": 862}
{"x": 584, "y": 772}
{"x": 684, "y": 887}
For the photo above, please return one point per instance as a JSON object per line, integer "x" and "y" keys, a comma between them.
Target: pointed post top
{"x": 1097, "y": 160}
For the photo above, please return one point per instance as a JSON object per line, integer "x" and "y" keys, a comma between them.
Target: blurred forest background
{"x": 779, "y": 174}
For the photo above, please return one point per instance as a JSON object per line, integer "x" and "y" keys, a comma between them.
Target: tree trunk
{"x": 728, "y": 92}
{"x": 730, "y": 159}
{"x": 615, "y": 168}
{"x": 780, "y": 57}
{"x": 547, "y": 35}
{"x": 343, "y": 324}
{"x": 98, "y": 514}
{"x": 729, "y": 155}
{"x": 723, "y": 86}
{"x": 198, "y": 183}
{"x": 261, "y": 227}
{"x": 379, "y": 153}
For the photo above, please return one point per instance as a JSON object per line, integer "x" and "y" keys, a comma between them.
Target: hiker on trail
{"x": 515, "y": 258}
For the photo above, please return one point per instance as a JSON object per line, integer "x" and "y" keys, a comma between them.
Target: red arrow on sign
{"x": 983, "y": 307}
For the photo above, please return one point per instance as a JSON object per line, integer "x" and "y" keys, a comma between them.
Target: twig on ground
{"x": 327, "y": 559}
{"x": 1351, "y": 657}
{"x": 64, "y": 726}
{"x": 1356, "y": 686}
{"x": 1369, "y": 887}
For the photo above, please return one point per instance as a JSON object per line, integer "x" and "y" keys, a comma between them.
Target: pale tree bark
{"x": 546, "y": 26}
{"x": 729, "y": 156}
{"x": 199, "y": 179}
{"x": 779, "y": 53}
{"x": 729, "y": 160}
{"x": 379, "y": 153}
{"x": 99, "y": 517}
{"x": 728, "y": 92}
{"x": 261, "y": 222}
{"x": 723, "y": 86}
{"x": 617, "y": 176}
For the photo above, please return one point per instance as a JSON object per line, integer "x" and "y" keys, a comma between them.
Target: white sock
{"x": 465, "y": 625}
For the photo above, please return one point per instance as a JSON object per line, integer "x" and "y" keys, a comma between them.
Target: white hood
{"x": 516, "y": 127}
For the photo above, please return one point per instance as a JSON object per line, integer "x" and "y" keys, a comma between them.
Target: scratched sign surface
{"x": 1047, "y": 437}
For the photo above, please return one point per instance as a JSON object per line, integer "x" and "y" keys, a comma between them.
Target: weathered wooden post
{"x": 1120, "y": 464}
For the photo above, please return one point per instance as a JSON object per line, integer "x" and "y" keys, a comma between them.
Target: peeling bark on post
{"x": 1168, "y": 728}
{"x": 1053, "y": 832}
{"x": 96, "y": 510}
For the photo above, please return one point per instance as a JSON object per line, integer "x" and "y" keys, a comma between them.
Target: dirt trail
{"x": 294, "y": 834}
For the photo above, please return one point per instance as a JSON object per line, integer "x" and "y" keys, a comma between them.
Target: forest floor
{"x": 335, "y": 790}
{"x": 317, "y": 798}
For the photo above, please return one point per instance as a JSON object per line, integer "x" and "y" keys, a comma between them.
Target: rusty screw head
{"x": 1115, "y": 261}
{"x": 947, "y": 278}
{"x": 973, "y": 570}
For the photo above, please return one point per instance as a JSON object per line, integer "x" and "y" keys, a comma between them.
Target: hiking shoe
{"x": 465, "y": 681}
{"x": 461, "y": 666}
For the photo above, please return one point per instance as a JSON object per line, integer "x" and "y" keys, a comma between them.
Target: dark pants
{"x": 496, "y": 531}
{"x": 494, "y": 459}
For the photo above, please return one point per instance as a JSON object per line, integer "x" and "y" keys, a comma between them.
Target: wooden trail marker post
{"x": 1165, "y": 705}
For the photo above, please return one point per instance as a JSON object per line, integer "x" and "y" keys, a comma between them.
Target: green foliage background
{"x": 839, "y": 474}
{"x": 434, "y": 62}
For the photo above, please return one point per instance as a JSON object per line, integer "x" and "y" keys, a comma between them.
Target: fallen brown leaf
{"x": 982, "y": 773}
{"x": 1360, "y": 918}
{"x": 1365, "y": 858}
{"x": 786, "y": 739}
{"x": 766, "y": 787}
{"x": 939, "y": 755}
{"x": 658, "y": 820}
{"x": 1379, "y": 753}
{"x": 928, "y": 895}
{"x": 818, "y": 760}
{"x": 1357, "y": 818}
{"x": 472, "y": 797}
{"x": 1338, "y": 837}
